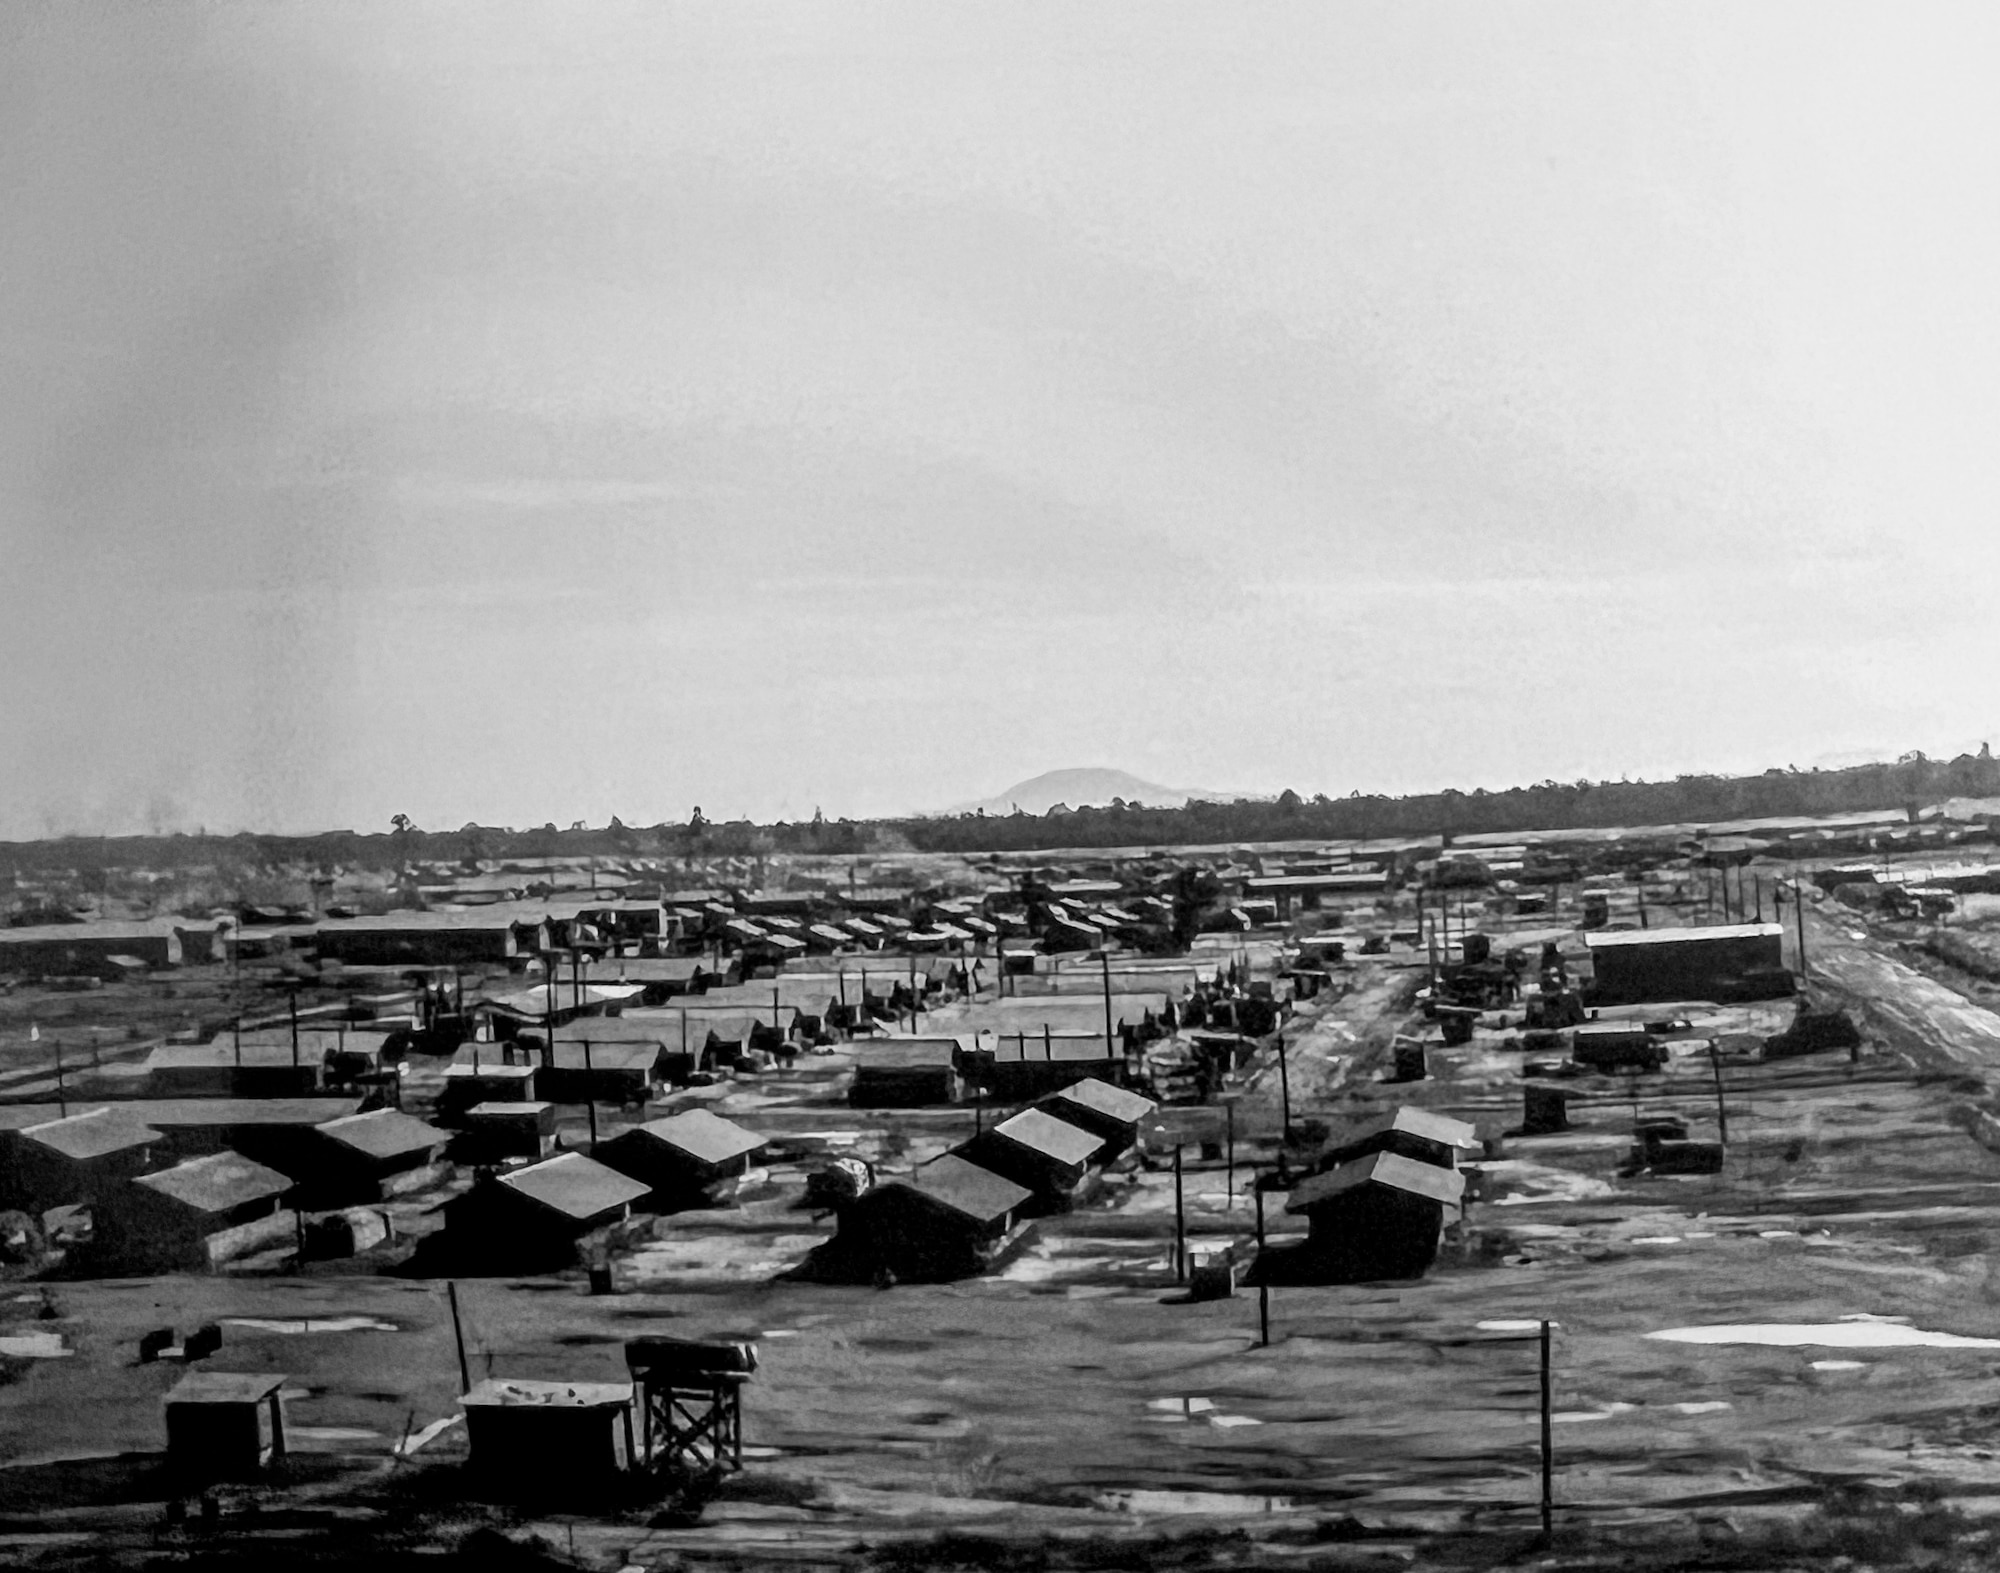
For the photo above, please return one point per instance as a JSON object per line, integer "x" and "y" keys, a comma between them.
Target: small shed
{"x": 368, "y": 1157}
{"x": 494, "y": 1131}
{"x": 688, "y": 1160}
{"x": 227, "y": 1069}
{"x": 1112, "y": 1114}
{"x": 949, "y": 1219}
{"x": 74, "y": 1161}
{"x": 195, "y": 1215}
{"x": 546, "y": 1438}
{"x": 1416, "y": 1134}
{"x": 225, "y": 1425}
{"x": 540, "y": 1218}
{"x": 468, "y": 1085}
{"x": 1036, "y": 1150}
{"x": 1380, "y": 1217}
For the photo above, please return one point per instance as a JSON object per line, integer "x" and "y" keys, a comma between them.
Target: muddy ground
{"x": 1077, "y": 1394}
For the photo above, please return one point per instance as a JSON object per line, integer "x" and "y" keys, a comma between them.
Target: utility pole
{"x": 1263, "y": 1289}
{"x": 62, "y": 1097}
{"x": 1799, "y": 913}
{"x": 1285, "y": 1088}
{"x": 1548, "y": 1443}
{"x": 549, "y": 1006}
{"x": 1106, "y": 958}
{"x": 1229, "y": 1117}
{"x": 458, "y": 1336}
{"x": 1180, "y": 1217}
{"x": 1721, "y": 1113}
{"x": 292, "y": 1008}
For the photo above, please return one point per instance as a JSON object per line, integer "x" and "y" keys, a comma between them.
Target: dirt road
{"x": 1920, "y": 1016}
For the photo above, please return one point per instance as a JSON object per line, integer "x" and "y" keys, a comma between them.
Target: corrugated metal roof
{"x": 99, "y": 931}
{"x": 879, "y": 1053}
{"x": 1412, "y": 1121}
{"x": 181, "y": 1113}
{"x": 658, "y": 969}
{"x": 573, "y": 1185}
{"x": 606, "y": 1054}
{"x": 1084, "y": 1048}
{"x": 950, "y": 1181}
{"x": 226, "y": 1387}
{"x": 92, "y": 1134}
{"x": 702, "y": 1135}
{"x": 384, "y": 1133}
{"x": 1100, "y": 1097}
{"x": 1053, "y": 1138}
{"x": 224, "y": 1055}
{"x": 1382, "y": 1168}
{"x": 489, "y": 1070}
{"x": 216, "y": 1183}
{"x": 1684, "y": 936}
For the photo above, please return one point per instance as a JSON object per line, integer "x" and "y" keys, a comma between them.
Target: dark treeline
{"x": 1549, "y": 805}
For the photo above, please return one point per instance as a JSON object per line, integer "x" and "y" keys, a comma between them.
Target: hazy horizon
{"x": 866, "y": 407}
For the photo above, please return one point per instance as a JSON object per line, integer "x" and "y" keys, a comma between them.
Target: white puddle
{"x": 1573, "y": 1416}
{"x": 312, "y": 1324}
{"x": 779, "y": 1332}
{"x": 34, "y": 1346}
{"x": 1179, "y": 1411}
{"x": 1840, "y": 1365}
{"x": 1845, "y": 1334}
{"x": 1707, "y": 1408}
{"x": 1513, "y": 1327}
{"x": 1191, "y": 1502}
{"x": 1656, "y": 1239}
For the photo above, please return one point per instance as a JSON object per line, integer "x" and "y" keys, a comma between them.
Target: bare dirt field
{"x": 1835, "y": 1316}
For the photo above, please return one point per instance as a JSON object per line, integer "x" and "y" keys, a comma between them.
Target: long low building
{"x": 1739, "y": 961}
{"x": 106, "y": 949}
{"x": 485, "y": 937}
{"x": 229, "y": 1069}
{"x": 196, "y": 1127}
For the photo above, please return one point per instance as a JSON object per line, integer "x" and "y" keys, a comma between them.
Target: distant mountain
{"x": 1092, "y": 788}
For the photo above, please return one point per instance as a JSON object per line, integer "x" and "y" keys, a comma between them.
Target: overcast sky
{"x": 525, "y": 413}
